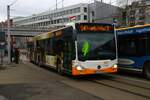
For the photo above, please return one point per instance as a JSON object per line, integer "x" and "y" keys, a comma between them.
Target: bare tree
{"x": 124, "y": 3}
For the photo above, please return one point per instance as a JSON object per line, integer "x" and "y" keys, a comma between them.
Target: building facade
{"x": 138, "y": 13}
{"x": 104, "y": 13}
{"x": 4, "y": 24}
{"x": 83, "y": 12}
{"x": 57, "y": 17}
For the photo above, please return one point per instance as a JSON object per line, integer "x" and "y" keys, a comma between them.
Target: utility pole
{"x": 8, "y": 34}
{"x": 95, "y": 10}
{"x": 56, "y": 4}
{"x": 8, "y": 31}
{"x": 62, "y": 13}
{"x": 62, "y": 4}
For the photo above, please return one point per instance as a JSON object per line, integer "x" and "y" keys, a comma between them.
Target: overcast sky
{"x": 29, "y": 7}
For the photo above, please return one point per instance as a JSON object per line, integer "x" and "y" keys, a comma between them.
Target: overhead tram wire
{"x": 54, "y": 6}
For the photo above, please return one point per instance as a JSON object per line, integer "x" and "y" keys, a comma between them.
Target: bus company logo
{"x": 95, "y": 28}
{"x": 106, "y": 63}
{"x": 125, "y": 32}
{"x": 126, "y": 61}
{"x": 143, "y": 30}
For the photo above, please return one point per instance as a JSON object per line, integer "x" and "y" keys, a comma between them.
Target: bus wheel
{"x": 146, "y": 70}
{"x": 60, "y": 66}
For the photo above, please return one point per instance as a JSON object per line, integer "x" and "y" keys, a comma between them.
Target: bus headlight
{"x": 79, "y": 67}
{"x": 115, "y": 66}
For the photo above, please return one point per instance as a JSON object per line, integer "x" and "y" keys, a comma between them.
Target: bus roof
{"x": 43, "y": 36}
{"x": 140, "y": 29}
{"x": 137, "y": 26}
{"x": 48, "y": 34}
{"x": 58, "y": 31}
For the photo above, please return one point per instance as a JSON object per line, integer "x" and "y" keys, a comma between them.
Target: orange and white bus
{"x": 85, "y": 48}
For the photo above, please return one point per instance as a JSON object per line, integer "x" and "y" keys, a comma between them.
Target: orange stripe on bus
{"x": 93, "y": 71}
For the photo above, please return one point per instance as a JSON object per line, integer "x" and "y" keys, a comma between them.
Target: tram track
{"x": 129, "y": 80}
{"x": 129, "y": 86}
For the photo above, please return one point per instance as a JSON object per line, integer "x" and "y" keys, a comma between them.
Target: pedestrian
{"x": 16, "y": 55}
{"x": 12, "y": 54}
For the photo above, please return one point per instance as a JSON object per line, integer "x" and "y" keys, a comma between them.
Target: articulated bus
{"x": 134, "y": 49}
{"x": 81, "y": 49}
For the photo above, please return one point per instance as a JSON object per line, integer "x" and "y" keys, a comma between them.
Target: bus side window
{"x": 122, "y": 47}
{"x": 132, "y": 50}
{"x": 147, "y": 42}
{"x": 127, "y": 47}
{"x": 141, "y": 46}
{"x": 148, "y": 45}
{"x": 37, "y": 44}
{"x": 59, "y": 46}
{"x": 47, "y": 46}
{"x": 50, "y": 46}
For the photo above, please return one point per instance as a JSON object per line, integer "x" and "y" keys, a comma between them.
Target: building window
{"x": 85, "y": 17}
{"x": 141, "y": 18}
{"x": 141, "y": 10}
{"x": 132, "y": 12}
{"x": 85, "y": 9}
{"x": 52, "y": 15}
{"x": 67, "y": 19}
{"x": 67, "y": 12}
{"x": 132, "y": 19}
{"x": 57, "y": 14}
{"x": 78, "y": 9}
{"x": 70, "y": 11}
{"x": 78, "y": 17}
{"x": 54, "y": 21}
{"x": 73, "y": 11}
{"x": 93, "y": 14}
{"x": 58, "y": 21}
{"x": 63, "y": 13}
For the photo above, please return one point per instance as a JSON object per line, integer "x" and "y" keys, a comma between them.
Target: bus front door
{"x": 67, "y": 58}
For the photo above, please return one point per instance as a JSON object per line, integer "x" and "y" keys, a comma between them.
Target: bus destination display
{"x": 94, "y": 28}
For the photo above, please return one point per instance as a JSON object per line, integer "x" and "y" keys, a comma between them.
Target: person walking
{"x": 16, "y": 55}
{"x": 12, "y": 54}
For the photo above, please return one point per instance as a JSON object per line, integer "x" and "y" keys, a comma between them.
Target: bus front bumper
{"x": 88, "y": 71}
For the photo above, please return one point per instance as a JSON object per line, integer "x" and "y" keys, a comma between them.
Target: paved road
{"x": 29, "y": 82}
{"x": 26, "y": 81}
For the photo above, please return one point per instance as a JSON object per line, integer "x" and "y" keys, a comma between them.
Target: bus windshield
{"x": 96, "y": 46}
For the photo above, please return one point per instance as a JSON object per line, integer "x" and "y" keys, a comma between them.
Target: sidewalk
{"x": 22, "y": 60}
{"x": 5, "y": 60}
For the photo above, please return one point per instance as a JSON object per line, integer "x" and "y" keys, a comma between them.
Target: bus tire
{"x": 146, "y": 70}
{"x": 60, "y": 67}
